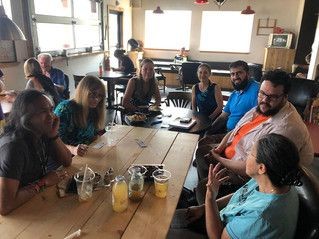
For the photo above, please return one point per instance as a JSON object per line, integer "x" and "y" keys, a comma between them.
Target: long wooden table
{"x": 48, "y": 216}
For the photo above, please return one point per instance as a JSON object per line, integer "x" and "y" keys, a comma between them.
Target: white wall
{"x": 287, "y": 13}
{"x": 14, "y": 76}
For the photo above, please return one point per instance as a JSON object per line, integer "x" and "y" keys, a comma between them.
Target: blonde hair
{"x": 32, "y": 68}
{"x": 87, "y": 84}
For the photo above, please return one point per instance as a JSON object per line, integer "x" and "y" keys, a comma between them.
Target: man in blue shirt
{"x": 56, "y": 75}
{"x": 241, "y": 100}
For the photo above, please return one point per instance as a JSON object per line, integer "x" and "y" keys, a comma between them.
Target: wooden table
{"x": 48, "y": 216}
{"x": 111, "y": 77}
{"x": 314, "y": 135}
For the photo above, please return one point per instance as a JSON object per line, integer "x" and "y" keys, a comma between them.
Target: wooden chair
{"x": 179, "y": 99}
{"x": 77, "y": 79}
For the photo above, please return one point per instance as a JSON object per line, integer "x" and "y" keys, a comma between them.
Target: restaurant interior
{"x": 82, "y": 36}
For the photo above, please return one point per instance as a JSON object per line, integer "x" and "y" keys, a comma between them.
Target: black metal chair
{"x": 189, "y": 73}
{"x": 160, "y": 77}
{"x": 301, "y": 94}
{"x": 77, "y": 79}
{"x": 179, "y": 99}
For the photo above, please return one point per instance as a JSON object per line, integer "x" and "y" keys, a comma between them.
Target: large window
{"x": 170, "y": 30}
{"x": 226, "y": 31}
{"x": 7, "y": 8}
{"x": 66, "y": 24}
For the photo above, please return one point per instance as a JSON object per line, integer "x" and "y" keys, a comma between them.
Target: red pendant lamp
{"x": 199, "y": 2}
{"x": 248, "y": 11}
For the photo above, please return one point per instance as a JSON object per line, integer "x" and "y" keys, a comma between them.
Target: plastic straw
{"x": 84, "y": 177}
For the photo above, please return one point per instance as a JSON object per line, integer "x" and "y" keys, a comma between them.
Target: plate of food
{"x": 136, "y": 118}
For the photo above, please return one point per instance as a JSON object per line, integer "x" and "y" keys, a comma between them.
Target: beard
{"x": 269, "y": 112}
{"x": 240, "y": 86}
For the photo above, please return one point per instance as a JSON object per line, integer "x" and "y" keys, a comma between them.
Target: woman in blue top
{"x": 265, "y": 207}
{"x": 82, "y": 117}
{"x": 206, "y": 96}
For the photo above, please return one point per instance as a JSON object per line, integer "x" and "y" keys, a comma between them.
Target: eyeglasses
{"x": 96, "y": 95}
{"x": 262, "y": 94}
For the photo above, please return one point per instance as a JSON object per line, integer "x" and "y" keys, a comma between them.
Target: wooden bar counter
{"x": 48, "y": 216}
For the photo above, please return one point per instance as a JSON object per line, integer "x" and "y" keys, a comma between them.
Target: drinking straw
{"x": 84, "y": 177}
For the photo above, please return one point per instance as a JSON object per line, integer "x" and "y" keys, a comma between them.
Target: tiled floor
{"x": 191, "y": 179}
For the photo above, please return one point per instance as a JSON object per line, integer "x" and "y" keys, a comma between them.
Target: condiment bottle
{"x": 136, "y": 185}
{"x": 119, "y": 194}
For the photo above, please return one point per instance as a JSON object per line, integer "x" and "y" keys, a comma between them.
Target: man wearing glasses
{"x": 273, "y": 114}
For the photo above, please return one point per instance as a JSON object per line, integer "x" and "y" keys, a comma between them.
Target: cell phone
{"x": 185, "y": 120}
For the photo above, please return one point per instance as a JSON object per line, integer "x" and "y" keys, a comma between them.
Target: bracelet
{"x": 54, "y": 137}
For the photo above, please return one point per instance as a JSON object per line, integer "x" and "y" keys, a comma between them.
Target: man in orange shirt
{"x": 273, "y": 114}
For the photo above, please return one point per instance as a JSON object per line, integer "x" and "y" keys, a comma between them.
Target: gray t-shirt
{"x": 20, "y": 161}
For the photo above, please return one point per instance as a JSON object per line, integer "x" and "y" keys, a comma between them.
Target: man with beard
{"x": 273, "y": 114}
{"x": 242, "y": 99}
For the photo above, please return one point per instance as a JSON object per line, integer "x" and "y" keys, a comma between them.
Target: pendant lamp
{"x": 158, "y": 10}
{"x": 9, "y": 30}
{"x": 199, "y": 2}
{"x": 248, "y": 11}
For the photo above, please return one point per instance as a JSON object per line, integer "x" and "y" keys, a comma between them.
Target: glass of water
{"x": 109, "y": 129}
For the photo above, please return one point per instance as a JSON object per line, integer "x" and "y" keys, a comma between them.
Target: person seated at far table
{"x": 30, "y": 149}
{"x": 83, "y": 117}
{"x": 206, "y": 96}
{"x": 36, "y": 80}
{"x": 140, "y": 90}
{"x": 126, "y": 65}
{"x": 265, "y": 207}
{"x": 56, "y": 75}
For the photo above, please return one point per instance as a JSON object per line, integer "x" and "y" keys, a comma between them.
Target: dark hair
{"x": 242, "y": 64}
{"x": 278, "y": 77}
{"x": 119, "y": 52}
{"x": 281, "y": 158}
{"x": 20, "y": 115}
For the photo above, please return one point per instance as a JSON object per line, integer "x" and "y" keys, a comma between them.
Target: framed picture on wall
{"x": 282, "y": 40}
{"x": 7, "y": 52}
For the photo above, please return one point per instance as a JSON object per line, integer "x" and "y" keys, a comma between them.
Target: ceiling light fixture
{"x": 158, "y": 10}
{"x": 9, "y": 30}
{"x": 248, "y": 11}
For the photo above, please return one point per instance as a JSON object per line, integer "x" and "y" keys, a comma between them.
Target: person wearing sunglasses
{"x": 83, "y": 117}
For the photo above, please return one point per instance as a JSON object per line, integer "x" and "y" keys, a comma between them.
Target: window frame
{"x": 73, "y": 21}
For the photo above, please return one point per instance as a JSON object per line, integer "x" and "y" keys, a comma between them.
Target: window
{"x": 7, "y": 8}
{"x": 170, "y": 30}
{"x": 66, "y": 24}
{"x": 226, "y": 31}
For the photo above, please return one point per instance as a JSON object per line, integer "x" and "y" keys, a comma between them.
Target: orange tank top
{"x": 230, "y": 150}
